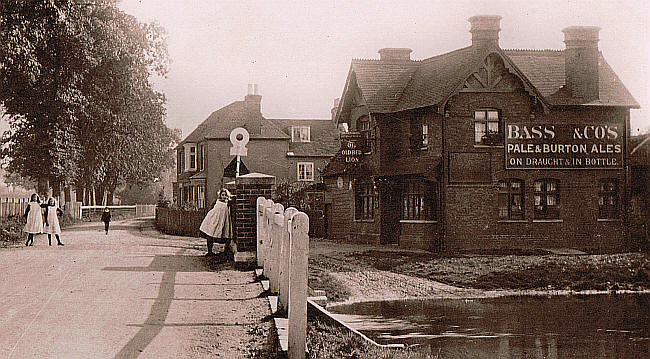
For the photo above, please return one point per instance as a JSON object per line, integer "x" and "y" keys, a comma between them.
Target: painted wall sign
{"x": 564, "y": 146}
{"x": 350, "y": 147}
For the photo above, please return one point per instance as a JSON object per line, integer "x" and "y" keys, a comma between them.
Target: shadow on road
{"x": 169, "y": 265}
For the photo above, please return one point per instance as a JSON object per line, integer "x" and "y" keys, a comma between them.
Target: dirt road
{"x": 131, "y": 293}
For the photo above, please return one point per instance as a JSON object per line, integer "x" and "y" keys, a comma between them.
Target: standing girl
{"x": 216, "y": 226}
{"x": 52, "y": 221}
{"x": 106, "y": 218}
{"x": 34, "y": 219}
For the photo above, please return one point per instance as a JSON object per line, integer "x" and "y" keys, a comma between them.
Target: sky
{"x": 299, "y": 52}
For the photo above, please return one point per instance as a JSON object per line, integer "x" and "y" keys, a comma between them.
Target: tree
{"x": 74, "y": 78}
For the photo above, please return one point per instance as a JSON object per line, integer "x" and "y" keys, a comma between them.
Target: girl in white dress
{"x": 33, "y": 218}
{"x": 52, "y": 226}
{"x": 216, "y": 226}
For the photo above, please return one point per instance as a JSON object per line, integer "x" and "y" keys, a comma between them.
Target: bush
{"x": 11, "y": 230}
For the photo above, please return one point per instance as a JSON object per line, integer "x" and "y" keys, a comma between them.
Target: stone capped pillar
{"x": 247, "y": 189}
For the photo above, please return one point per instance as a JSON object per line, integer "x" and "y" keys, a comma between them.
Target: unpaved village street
{"x": 131, "y": 293}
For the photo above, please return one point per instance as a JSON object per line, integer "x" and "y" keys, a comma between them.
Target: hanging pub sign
{"x": 564, "y": 146}
{"x": 350, "y": 147}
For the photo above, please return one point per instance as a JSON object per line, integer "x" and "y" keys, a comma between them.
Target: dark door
{"x": 389, "y": 203}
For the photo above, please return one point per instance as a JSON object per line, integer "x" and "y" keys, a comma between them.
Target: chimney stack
{"x": 335, "y": 108}
{"x": 253, "y": 108}
{"x": 581, "y": 61}
{"x": 395, "y": 54}
{"x": 485, "y": 29}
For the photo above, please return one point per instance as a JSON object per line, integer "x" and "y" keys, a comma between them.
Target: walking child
{"x": 52, "y": 213}
{"x": 33, "y": 219}
{"x": 106, "y": 218}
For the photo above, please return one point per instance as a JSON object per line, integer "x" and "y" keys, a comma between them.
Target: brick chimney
{"x": 395, "y": 54}
{"x": 485, "y": 29}
{"x": 253, "y": 108}
{"x": 335, "y": 108}
{"x": 581, "y": 61}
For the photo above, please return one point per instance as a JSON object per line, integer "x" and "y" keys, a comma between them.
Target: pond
{"x": 592, "y": 326}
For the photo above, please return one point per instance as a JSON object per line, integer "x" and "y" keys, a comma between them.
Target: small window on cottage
{"x": 305, "y": 171}
{"x": 202, "y": 158}
{"x": 364, "y": 200}
{"x": 511, "y": 199}
{"x": 420, "y": 200}
{"x": 487, "y": 128}
{"x": 547, "y": 199}
{"x": 419, "y": 133}
{"x": 608, "y": 199}
{"x": 300, "y": 134}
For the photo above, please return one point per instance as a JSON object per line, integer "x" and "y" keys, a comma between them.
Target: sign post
{"x": 239, "y": 137}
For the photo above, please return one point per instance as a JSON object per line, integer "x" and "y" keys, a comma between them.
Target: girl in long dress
{"x": 33, "y": 218}
{"x": 216, "y": 226}
{"x": 52, "y": 211}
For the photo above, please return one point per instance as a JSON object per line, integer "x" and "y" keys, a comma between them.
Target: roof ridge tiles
{"x": 535, "y": 50}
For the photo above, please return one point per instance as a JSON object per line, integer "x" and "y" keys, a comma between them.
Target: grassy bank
{"x": 11, "y": 229}
{"x": 332, "y": 263}
{"x": 327, "y": 342}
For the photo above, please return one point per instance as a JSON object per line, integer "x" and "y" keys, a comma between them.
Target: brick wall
{"x": 471, "y": 211}
{"x": 248, "y": 189}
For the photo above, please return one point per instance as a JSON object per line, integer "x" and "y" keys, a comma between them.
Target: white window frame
{"x": 300, "y": 134}
{"x": 188, "y": 163}
{"x": 302, "y": 172}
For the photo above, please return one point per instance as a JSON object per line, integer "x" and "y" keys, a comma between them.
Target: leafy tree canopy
{"x": 75, "y": 85}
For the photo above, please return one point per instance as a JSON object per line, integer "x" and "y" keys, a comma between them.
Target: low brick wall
{"x": 179, "y": 222}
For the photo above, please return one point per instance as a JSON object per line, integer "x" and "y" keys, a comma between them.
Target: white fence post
{"x": 284, "y": 258}
{"x": 266, "y": 222}
{"x": 299, "y": 247}
{"x": 261, "y": 235}
{"x": 276, "y": 232}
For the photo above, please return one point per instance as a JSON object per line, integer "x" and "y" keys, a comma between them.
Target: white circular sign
{"x": 239, "y": 137}
{"x": 339, "y": 182}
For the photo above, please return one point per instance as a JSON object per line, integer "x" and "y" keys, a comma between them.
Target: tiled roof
{"x": 382, "y": 82}
{"x": 324, "y": 136}
{"x": 324, "y": 140}
{"x": 222, "y": 121}
{"x": 392, "y": 86}
{"x": 545, "y": 69}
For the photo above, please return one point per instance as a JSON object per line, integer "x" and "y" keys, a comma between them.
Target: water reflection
{"x": 596, "y": 326}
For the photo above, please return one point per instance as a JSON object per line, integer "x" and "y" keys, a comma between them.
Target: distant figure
{"x": 106, "y": 218}
{"x": 216, "y": 226}
{"x": 52, "y": 211}
{"x": 33, "y": 218}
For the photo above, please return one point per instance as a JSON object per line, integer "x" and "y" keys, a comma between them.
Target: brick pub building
{"x": 484, "y": 148}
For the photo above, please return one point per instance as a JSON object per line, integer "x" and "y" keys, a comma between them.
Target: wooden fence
{"x": 139, "y": 210}
{"x": 13, "y": 206}
{"x": 180, "y": 222}
{"x": 282, "y": 252}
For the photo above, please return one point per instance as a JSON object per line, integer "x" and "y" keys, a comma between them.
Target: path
{"x": 131, "y": 293}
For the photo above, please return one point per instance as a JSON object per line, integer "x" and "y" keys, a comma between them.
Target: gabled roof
{"x": 393, "y": 86}
{"x": 324, "y": 140}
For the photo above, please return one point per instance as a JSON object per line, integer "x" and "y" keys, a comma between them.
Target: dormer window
{"x": 487, "y": 128}
{"x": 299, "y": 133}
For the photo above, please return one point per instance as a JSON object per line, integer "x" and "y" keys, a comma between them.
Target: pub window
{"x": 420, "y": 200}
{"x": 419, "y": 133}
{"x": 547, "y": 199}
{"x": 364, "y": 200}
{"x": 363, "y": 126}
{"x": 511, "y": 199}
{"x": 305, "y": 171}
{"x": 487, "y": 128}
{"x": 608, "y": 199}
{"x": 300, "y": 133}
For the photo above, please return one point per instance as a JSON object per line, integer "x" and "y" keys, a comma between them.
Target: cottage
{"x": 484, "y": 148}
{"x": 292, "y": 150}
